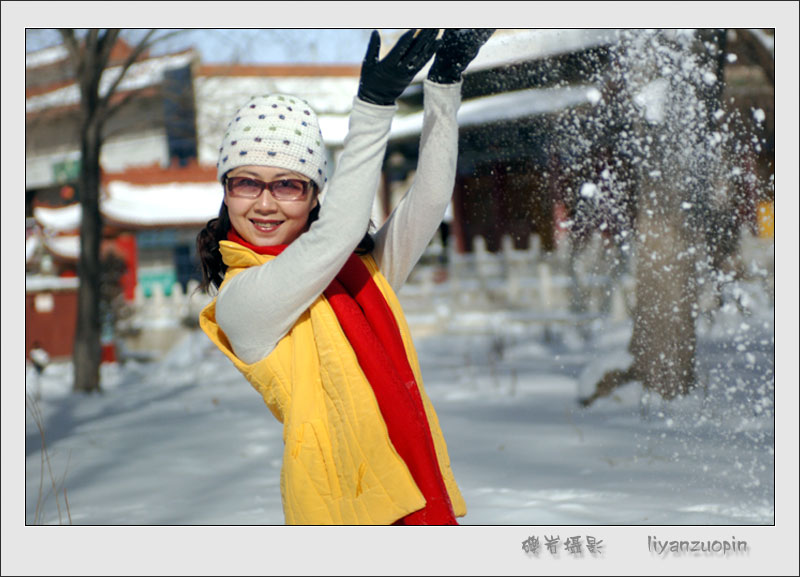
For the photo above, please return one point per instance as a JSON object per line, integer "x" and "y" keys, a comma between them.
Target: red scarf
{"x": 371, "y": 329}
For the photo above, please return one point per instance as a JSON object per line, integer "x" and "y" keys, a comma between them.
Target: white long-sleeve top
{"x": 259, "y": 306}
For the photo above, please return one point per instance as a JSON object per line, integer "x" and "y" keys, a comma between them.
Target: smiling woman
{"x": 307, "y": 307}
{"x": 275, "y": 218}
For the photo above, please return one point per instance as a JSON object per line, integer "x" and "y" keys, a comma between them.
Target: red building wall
{"x": 50, "y": 318}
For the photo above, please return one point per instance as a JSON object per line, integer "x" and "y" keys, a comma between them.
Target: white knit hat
{"x": 275, "y": 130}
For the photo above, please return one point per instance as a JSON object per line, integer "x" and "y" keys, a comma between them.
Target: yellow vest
{"x": 339, "y": 465}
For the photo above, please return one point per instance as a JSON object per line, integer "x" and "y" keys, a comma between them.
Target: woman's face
{"x": 264, "y": 221}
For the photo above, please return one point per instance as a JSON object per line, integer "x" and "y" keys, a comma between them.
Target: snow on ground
{"x": 187, "y": 441}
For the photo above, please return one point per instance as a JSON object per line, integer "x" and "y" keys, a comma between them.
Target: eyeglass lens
{"x": 283, "y": 189}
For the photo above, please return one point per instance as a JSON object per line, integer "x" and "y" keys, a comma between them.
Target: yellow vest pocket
{"x": 310, "y": 450}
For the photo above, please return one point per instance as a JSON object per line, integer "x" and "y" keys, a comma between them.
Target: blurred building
{"x": 154, "y": 127}
{"x": 158, "y": 159}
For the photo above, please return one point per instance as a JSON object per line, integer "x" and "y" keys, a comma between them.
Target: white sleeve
{"x": 404, "y": 236}
{"x": 259, "y": 305}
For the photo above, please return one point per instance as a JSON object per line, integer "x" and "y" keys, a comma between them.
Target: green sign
{"x": 148, "y": 279}
{"x": 66, "y": 171}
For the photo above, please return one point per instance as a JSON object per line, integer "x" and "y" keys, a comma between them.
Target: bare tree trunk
{"x": 671, "y": 183}
{"x": 89, "y": 58}
{"x": 663, "y": 341}
{"x": 672, "y": 217}
{"x": 87, "y": 349}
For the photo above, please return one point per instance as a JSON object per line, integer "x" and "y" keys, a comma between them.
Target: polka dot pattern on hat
{"x": 276, "y": 130}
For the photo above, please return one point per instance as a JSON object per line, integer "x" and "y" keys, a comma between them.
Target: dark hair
{"x": 211, "y": 264}
{"x": 216, "y": 229}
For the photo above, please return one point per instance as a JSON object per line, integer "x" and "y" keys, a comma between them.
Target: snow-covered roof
{"x": 505, "y": 106}
{"x": 58, "y": 219}
{"x": 325, "y": 94}
{"x": 176, "y": 203}
{"x": 506, "y": 48}
{"x": 65, "y": 246}
{"x": 45, "y": 56}
{"x": 766, "y": 40}
{"x": 46, "y": 283}
{"x": 139, "y": 75}
{"x": 140, "y": 206}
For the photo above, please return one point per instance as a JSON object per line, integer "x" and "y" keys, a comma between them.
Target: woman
{"x": 316, "y": 327}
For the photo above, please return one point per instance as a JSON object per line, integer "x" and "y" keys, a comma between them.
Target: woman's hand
{"x": 459, "y": 47}
{"x": 382, "y": 81}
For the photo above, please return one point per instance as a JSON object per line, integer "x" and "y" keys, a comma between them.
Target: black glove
{"x": 382, "y": 81}
{"x": 459, "y": 47}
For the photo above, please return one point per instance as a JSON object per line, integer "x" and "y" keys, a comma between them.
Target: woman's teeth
{"x": 266, "y": 226}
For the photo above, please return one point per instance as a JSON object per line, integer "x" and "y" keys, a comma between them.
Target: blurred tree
{"x": 89, "y": 56}
{"x": 681, "y": 154}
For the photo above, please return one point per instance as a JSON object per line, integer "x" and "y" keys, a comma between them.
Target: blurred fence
{"x": 574, "y": 285}
{"x": 571, "y": 285}
{"x": 488, "y": 292}
{"x": 154, "y": 324}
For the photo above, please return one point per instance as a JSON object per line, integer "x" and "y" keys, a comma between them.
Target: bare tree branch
{"x": 90, "y": 58}
{"x": 132, "y": 57}
{"x": 68, "y": 37}
{"x": 141, "y": 46}
{"x": 106, "y": 45}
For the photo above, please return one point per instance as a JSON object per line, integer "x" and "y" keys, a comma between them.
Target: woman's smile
{"x": 266, "y": 226}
